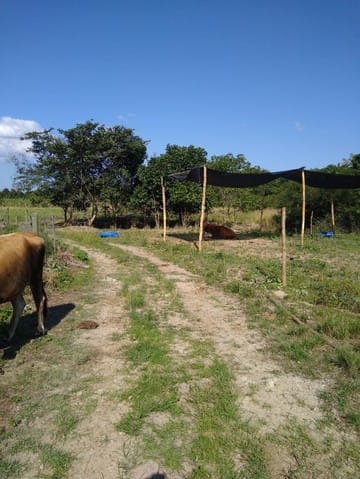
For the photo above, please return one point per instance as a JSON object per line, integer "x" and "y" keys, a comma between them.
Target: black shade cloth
{"x": 316, "y": 179}
{"x": 319, "y": 179}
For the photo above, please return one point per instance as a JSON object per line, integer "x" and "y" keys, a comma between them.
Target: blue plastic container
{"x": 327, "y": 234}
{"x": 109, "y": 234}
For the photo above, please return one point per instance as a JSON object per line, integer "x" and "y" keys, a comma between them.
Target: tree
{"x": 51, "y": 174}
{"x": 182, "y": 198}
{"x": 147, "y": 196}
{"x": 83, "y": 166}
{"x": 244, "y": 199}
{"x": 318, "y": 200}
{"x": 347, "y": 202}
{"x": 124, "y": 155}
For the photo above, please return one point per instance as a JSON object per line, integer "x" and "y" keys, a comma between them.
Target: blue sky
{"x": 275, "y": 80}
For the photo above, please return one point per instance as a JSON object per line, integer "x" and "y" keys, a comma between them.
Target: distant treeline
{"x": 105, "y": 173}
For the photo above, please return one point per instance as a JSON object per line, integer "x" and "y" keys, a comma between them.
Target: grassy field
{"x": 316, "y": 326}
{"x": 311, "y": 328}
{"x": 19, "y": 214}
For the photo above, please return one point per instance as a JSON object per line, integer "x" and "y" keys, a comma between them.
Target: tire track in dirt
{"x": 96, "y": 445}
{"x": 266, "y": 393}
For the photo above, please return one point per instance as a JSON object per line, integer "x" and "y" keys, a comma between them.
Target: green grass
{"x": 54, "y": 462}
{"x": 149, "y": 345}
{"x": 80, "y": 254}
{"x": 323, "y": 292}
{"x": 65, "y": 268}
{"x": 5, "y": 316}
{"x": 65, "y": 420}
{"x": 162, "y": 441}
{"x": 345, "y": 397}
{"x": 316, "y": 276}
{"x": 42, "y": 386}
{"x": 18, "y": 214}
{"x": 344, "y": 326}
{"x": 57, "y": 460}
{"x": 20, "y": 218}
{"x": 306, "y": 347}
{"x": 10, "y": 469}
{"x": 135, "y": 299}
{"x": 157, "y": 378}
{"x": 348, "y": 358}
{"x": 220, "y": 432}
{"x": 154, "y": 391}
{"x": 217, "y": 442}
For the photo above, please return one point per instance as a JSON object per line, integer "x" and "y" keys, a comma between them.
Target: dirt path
{"x": 97, "y": 445}
{"x": 266, "y": 393}
{"x": 267, "y": 396}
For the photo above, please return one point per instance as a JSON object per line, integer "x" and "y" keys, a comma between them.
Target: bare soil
{"x": 267, "y": 394}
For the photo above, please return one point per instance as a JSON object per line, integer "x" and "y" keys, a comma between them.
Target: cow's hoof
{"x": 39, "y": 334}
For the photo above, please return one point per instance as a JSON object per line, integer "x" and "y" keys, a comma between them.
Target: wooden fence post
{"x": 35, "y": 223}
{"x": 202, "y": 214}
{"x": 164, "y": 207}
{"x": 53, "y": 232}
{"x": 283, "y": 242}
{"x": 332, "y": 214}
{"x": 303, "y": 208}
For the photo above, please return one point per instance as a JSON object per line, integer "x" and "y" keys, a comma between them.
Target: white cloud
{"x": 124, "y": 118}
{"x": 299, "y": 126}
{"x": 11, "y": 130}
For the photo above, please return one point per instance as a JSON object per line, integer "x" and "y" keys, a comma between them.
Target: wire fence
{"x": 38, "y": 221}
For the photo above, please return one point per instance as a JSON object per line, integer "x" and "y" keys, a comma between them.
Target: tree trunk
{"x": 157, "y": 218}
{"x": 65, "y": 209}
{"x": 68, "y": 215}
{"x": 183, "y": 216}
{"x": 91, "y": 220}
{"x": 93, "y": 215}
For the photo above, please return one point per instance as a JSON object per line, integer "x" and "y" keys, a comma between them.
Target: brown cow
{"x": 21, "y": 264}
{"x": 218, "y": 231}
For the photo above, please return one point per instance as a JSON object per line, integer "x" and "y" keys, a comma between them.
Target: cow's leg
{"x": 18, "y": 305}
{"x": 40, "y": 299}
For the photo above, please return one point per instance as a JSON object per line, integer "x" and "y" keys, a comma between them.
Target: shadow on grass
{"x": 190, "y": 237}
{"x": 27, "y": 332}
{"x": 246, "y": 235}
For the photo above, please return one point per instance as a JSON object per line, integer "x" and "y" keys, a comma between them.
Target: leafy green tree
{"x": 244, "y": 199}
{"x": 147, "y": 195}
{"x": 347, "y": 201}
{"x": 318, "y": 200}
{"x": 183, "y": 198}
{"x": 124, "y": 153}
{"x": 51, "y": 174}
{"x": 83, "y": 166}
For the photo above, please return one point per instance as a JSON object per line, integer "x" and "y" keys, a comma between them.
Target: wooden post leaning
{"x": 35, "y": 223}
{"x": 283, "y": 243}
{"x": 303, "y": 207}
{"x": 202, "y": 213}
{"x": 332, "y": 214}
{"x": 164, "y": 207}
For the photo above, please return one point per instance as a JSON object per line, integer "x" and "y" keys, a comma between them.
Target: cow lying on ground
{"x": 218, "y": 231}
{"x": 21, "y": 264}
